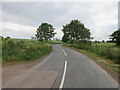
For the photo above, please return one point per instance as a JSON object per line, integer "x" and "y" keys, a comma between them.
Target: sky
{"x": 21, "y": 19}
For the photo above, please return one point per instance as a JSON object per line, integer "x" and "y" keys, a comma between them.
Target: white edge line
{"x": 64, "y": 52}
{"x": 63, "y": 78}
{"x": 103, "y": 71}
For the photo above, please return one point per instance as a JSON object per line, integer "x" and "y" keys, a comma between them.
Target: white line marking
{"x": 64, "y": 52}
{"x": 103, "y": 71}
{"x": 64, "y": 73}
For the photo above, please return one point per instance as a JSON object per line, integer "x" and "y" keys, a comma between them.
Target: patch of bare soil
{"x": 13, "y": 70}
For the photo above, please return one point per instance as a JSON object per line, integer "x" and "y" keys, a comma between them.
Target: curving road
{"x": 64, "y": 68}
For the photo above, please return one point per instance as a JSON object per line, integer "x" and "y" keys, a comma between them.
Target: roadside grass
{"x": 106, "y": 62}
{"x": 107, "y": 50}
{"x": 110, "y": 64}
{"x": 0, "y": 60}
{"x": 23, "y": 50}
{"x": 103, "y": 44}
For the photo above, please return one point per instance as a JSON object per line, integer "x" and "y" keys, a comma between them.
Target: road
{"x": 64, "y": 68}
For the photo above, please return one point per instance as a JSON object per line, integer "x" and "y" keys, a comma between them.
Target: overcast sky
{"x": 21, "y": 19}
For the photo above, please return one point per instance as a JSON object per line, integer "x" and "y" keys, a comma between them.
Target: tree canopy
{"x": 75, "y": 32}
{"x": 45, "y": 32}
{"x": 115, "y": 36}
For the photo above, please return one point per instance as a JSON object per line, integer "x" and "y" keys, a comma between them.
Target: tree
{"x": 96, "y": 41}
{"x": 65, "y": 38}
{"x": 8, "y": 37}
{"x": 75, "y": 32}
{"x": 44, "y": 32}
{"x": 103, "y": 41}
{"x": 115, "y": 36}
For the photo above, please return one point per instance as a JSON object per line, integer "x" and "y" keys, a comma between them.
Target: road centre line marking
{"x": 63, "y": 78}
{"x": 64, "y": 52}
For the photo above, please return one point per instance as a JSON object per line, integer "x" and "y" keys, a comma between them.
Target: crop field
{"x": 20, "y": 50}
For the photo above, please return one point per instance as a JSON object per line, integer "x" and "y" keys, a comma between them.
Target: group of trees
{"x": 74, "y": 33}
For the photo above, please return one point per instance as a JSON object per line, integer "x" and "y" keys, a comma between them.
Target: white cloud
{"x": 17, "y": 30}
{"x": 60, "y": 0}
{"x": 100, "y": 18}
{"x": 59, "y": 33}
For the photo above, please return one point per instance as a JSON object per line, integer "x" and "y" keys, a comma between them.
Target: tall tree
{"x": 115, "y": 36}
{"x": 45, "y": 32}
{"x": 75, "y": 32}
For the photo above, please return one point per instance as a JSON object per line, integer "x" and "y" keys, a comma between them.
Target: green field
{"x": 104, "y": 44}
{"x": 26, "y": 40}
{"x": 21, "y": 50}
{"x": 54, "y": 42}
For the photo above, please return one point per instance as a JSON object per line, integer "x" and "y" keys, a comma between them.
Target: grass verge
{"x": 17, "y": 51}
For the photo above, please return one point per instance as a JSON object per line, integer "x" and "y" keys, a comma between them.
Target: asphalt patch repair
{"x": 33, "y": 79}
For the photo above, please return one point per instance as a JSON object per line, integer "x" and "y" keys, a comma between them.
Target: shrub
{"x": 23, "y": 50}
{"x": 109, "y": 52}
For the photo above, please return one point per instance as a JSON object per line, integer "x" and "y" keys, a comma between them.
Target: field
{"x": 104, "y": 44}
{"x": 107, "y": 50}
{"x": 22, "y": 50}
{"x": 54, "y": 42}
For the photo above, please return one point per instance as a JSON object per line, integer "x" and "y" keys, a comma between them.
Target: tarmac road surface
{"x": 64, "y": 68}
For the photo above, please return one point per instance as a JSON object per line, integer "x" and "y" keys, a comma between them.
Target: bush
{"x": 107, "y": 51}
{"x": 23, "y": 50}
